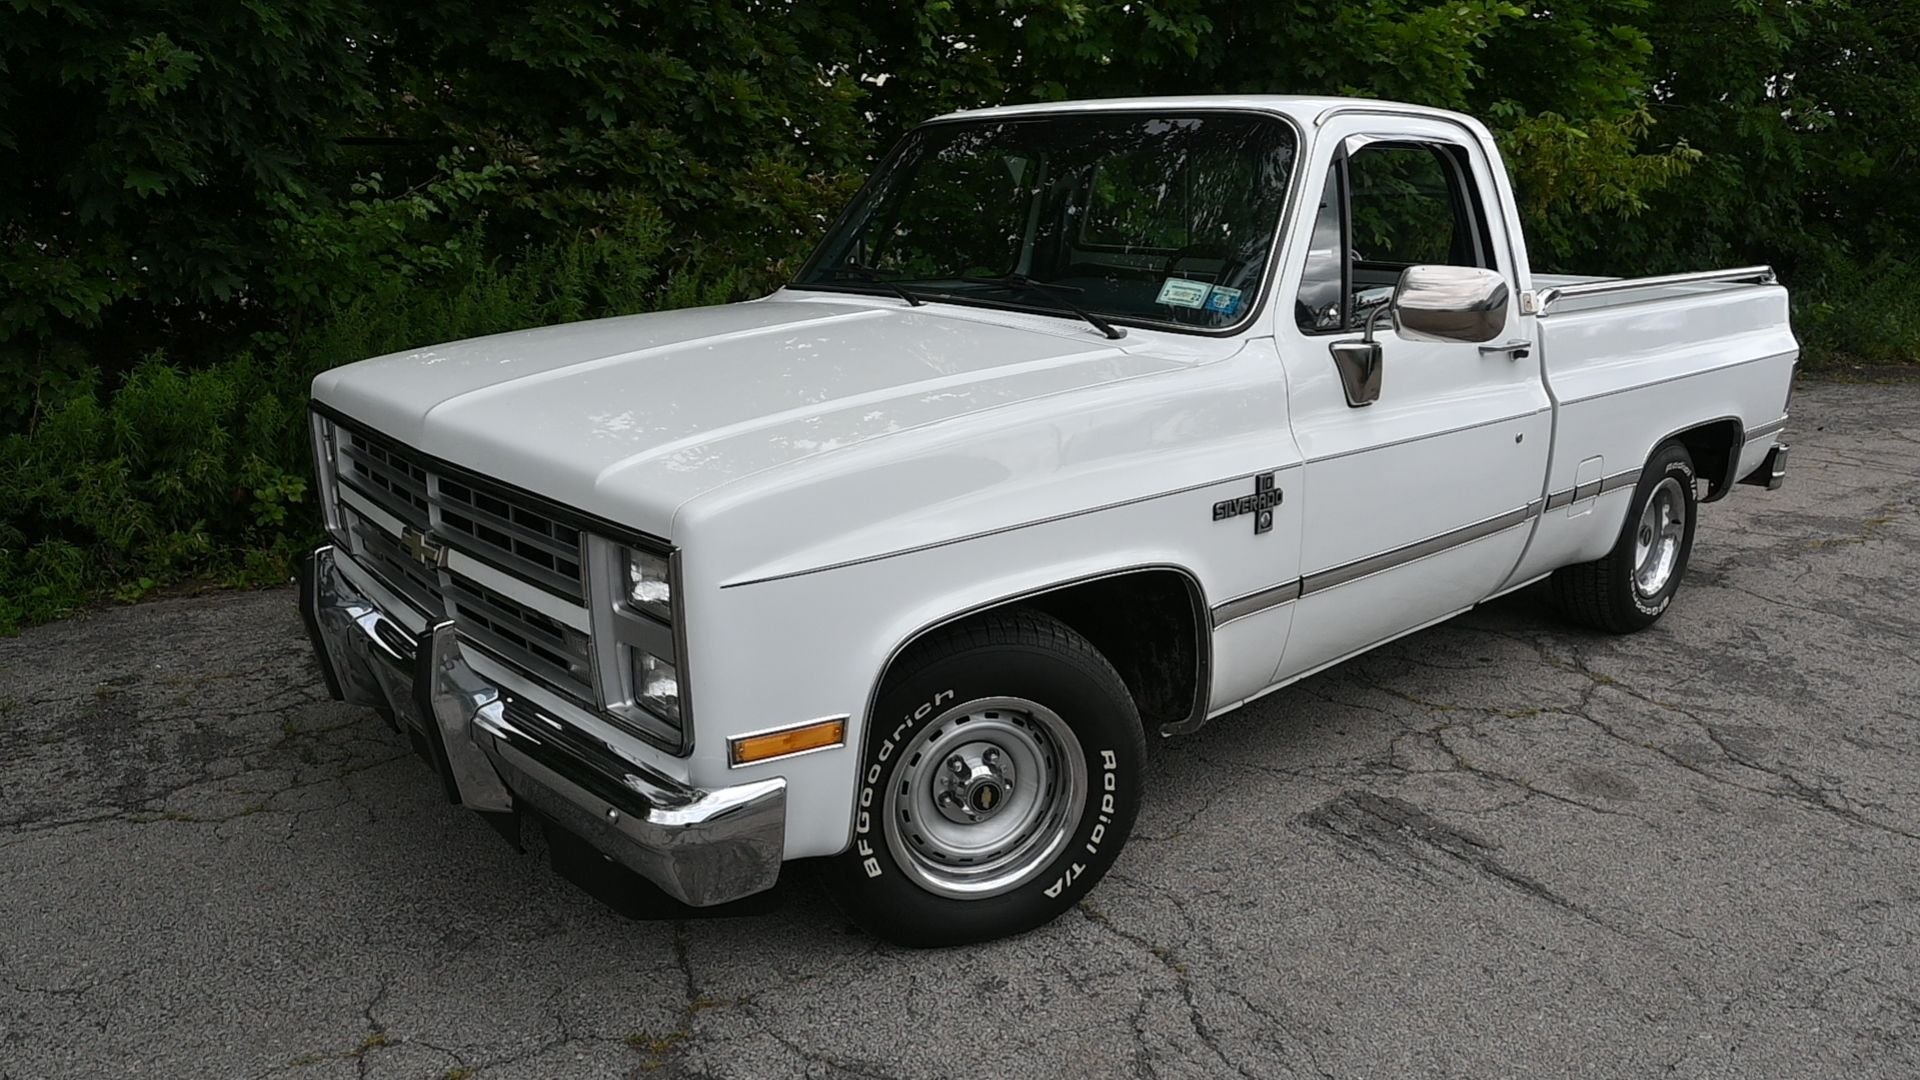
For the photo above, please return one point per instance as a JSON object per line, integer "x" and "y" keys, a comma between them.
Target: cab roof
{"x": 1308, "y": 111}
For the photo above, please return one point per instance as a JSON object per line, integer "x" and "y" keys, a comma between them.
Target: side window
{"x": 1409, "y": 208}
{"x": 1405, "y": 204}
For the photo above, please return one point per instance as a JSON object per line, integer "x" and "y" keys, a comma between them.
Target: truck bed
{"x": 1629, "y": 367}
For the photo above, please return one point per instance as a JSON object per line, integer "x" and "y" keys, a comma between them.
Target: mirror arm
{"x": 1373, "y": 320}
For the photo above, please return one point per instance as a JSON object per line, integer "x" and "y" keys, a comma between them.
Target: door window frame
{"x": 1466, "y": 196}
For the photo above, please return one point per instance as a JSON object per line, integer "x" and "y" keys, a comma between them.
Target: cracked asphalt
{"x": 1498, "y": 848}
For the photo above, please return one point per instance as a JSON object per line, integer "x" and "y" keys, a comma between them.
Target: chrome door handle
{"x": 1514, "y": 350}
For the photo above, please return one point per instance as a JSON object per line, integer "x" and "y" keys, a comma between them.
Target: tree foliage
{"x": 204, "y": 202}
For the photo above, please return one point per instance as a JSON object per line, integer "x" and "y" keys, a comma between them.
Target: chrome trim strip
{"x": 1427, "y": 435}
{"x": 1322, "y": 580}
{"x": 1592, "y": 489}
{"x": 1756, "y": 275}
{"x": 1255, "y": 602}
{"x": 1624, "y": 478}
{"x": 1676, "y": 378}
{"x": 519, "y": 590}
{"x": 917, "y": 548}
{"x": 734, "y": 741}
{"x": 1763, "y": 430}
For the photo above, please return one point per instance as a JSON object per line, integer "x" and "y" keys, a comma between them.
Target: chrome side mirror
{"x": 1450, "y": 303}
{"x": 1430, "y": 303}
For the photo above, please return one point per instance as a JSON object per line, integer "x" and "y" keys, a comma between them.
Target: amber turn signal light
{"x": 747, "y": 749}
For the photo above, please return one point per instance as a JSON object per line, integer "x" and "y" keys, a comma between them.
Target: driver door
{"x": 1418, "y": 504}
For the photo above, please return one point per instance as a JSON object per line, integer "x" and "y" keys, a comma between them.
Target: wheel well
{"x": 1716, "y": 453}
{"x": 1148, "y": 625}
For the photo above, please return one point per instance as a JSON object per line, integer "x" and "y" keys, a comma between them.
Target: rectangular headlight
{"x": 656, "y": 686}
{"x": 650, "y": 584}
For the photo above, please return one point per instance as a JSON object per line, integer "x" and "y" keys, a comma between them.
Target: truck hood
{"x": 630, "y": 417}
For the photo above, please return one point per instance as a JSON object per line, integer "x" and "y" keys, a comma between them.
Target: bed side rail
{"x": 1544, "y": 300}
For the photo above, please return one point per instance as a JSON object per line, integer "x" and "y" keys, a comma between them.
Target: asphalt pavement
{"x": 1498, "y": 848}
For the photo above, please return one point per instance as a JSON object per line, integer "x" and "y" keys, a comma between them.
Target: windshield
{"x": 1147, "y": 218}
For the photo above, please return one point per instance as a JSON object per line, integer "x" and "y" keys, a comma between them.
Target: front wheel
{"x": 1632, "y": 586}
{"x": 1000, "y": 778}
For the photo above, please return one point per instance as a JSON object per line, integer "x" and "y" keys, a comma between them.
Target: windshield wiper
{"x": 870, "y": 275}
{"x": 1052, "y": 289}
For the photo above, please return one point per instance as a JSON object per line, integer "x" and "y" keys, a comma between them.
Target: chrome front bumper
{"x": 498, "y": 755}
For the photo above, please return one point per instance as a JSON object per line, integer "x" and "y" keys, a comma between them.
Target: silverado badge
{"x": 422, "y": 548}
{"x": 1260, "y": 504}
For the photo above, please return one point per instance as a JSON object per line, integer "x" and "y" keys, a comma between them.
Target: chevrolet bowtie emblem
{"x": 1260, "y": 504}
{"x": 422, "y": 548}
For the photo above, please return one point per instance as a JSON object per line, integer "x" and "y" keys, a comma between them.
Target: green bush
{"x": 202, "y": 474}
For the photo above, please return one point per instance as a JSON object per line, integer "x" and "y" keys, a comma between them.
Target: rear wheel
{"x": 1000, "y": 779}
{"x": 1633, "y": 585}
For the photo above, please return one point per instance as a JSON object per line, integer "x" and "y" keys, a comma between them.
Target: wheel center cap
{"x": 974, "y": 783}
{"x": 984, "y": 797}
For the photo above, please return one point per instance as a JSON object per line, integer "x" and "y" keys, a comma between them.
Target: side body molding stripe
{"x": 1288, "y": 591}
{"x": 1625, "y": 478}
{"x": 1255, "y": 602}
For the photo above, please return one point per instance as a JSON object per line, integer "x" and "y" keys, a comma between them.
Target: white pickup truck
{"x": 1087, "y": 422}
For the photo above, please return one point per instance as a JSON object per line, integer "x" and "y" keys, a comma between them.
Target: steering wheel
{"x": 1205, "y": 249}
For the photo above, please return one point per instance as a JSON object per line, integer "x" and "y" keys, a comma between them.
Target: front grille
{"x": 520, "y": 540}
{"x": 543, "y": 647}
{"x": 385, "y": 475}
{"x": 382, "y": 554}
{"x": 492, "y": 524}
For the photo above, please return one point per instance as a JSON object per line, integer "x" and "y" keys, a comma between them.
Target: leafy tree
{"x": 203, "y": 202}
{"x": 145, "y": 146}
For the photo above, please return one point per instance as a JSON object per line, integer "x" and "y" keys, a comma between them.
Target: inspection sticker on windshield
{"x": 1224, "y": 300}
{"x": 1179, "y": 292}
